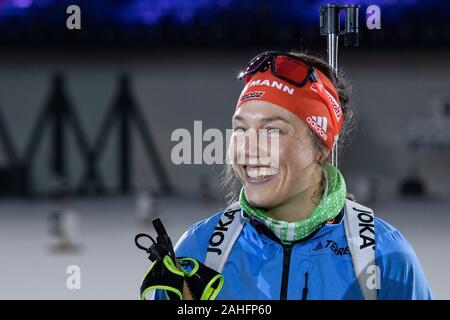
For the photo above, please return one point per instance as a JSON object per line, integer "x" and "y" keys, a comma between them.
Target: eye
{"x": 273, "y": 131}
{"x": 239, "y": 130}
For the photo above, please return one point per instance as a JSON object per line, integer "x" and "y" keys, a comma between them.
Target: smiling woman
{"x": 299, "y": 167}
{"x": 303, "y": 146}
{"x": 294, "y": 233}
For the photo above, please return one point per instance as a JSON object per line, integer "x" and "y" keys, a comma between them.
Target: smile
{"x": 259, "y": 173}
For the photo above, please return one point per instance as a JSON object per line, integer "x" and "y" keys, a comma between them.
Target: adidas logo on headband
{"x": 319, "y": 124}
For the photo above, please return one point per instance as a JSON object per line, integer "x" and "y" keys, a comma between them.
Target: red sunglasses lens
{"x": 291, "y": 69}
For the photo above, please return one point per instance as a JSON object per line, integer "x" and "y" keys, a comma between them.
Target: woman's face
{"x": 272, "y": 176}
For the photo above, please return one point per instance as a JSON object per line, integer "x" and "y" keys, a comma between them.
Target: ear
{"x": 323, "y": 155}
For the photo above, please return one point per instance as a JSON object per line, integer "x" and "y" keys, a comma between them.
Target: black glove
{"x": 203, "y": 282}
{"x": 163, "y": 275}
{"x": 168, "y": 272}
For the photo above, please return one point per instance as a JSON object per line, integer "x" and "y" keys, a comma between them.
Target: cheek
{"x": 233, "y": 155}
{"x": 233, "y": 150}
{"x": 295, "y": 156}
{"x": 296, "y": 170}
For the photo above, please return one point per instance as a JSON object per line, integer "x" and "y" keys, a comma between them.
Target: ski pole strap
{"x": 164, "y": 275}
{"x": 164, "y": 272}
{"x": 203, "y": 282}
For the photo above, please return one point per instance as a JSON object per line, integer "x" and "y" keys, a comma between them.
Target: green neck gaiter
{"x": 329, "y": 207}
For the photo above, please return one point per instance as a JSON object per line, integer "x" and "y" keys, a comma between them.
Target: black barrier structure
{"x": 58, "y": 116}
{"x": 13, "y": 174}
{"x": 124, "y": 114}
{"x": 6, "y": 143}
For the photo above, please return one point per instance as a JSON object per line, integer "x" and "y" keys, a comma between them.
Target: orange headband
{"x": 307, "y": 102}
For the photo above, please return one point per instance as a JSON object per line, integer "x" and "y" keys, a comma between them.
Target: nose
{"x": 260, "y": 148}
{"x": 250, "y": 147}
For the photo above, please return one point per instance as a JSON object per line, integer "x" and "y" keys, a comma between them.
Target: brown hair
{"x": 231, "y": 184}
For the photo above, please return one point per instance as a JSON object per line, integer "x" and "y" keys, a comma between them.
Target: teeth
{"x": 260, "y": 172}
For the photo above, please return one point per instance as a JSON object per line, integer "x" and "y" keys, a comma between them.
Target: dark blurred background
{"x": 86, "y": 118}
{"x": 221, "y": 24}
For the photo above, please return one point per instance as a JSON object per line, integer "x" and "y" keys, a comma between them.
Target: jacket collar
{"x": 263, "y": 230}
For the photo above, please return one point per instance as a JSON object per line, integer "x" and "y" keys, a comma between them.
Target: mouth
{"x": 255, "y": 174}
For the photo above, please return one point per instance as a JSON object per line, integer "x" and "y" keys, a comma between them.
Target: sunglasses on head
{"x": 285, "y": 66}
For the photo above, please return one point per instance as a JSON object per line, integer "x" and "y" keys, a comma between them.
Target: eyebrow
{"x": 265, "y": 120}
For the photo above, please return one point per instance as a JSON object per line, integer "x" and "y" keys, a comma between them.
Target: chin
{"x": 259, "y": 184}
{"x": 260, "y": 198}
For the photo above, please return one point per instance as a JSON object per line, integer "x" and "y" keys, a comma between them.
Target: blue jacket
{"x": 259, "y": 267}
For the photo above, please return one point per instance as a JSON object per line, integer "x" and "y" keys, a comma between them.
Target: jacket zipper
{"x": 285, "y": 276}
{"x": 287, "y": 250}
{"x": 305, "y": 289}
